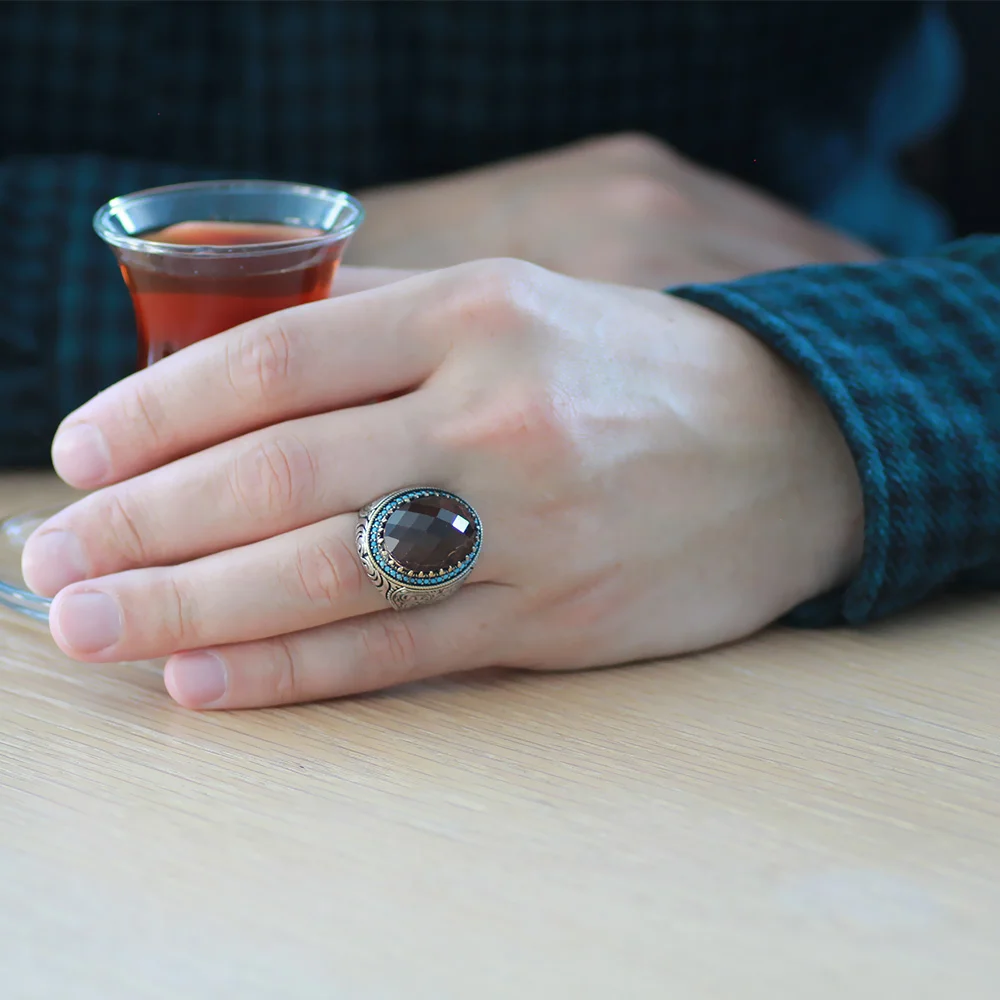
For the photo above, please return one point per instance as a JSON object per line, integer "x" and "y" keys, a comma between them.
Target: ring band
{"x": 418, "y": 545}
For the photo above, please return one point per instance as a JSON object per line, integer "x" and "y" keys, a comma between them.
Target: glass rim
{"x": 341, "y": 231}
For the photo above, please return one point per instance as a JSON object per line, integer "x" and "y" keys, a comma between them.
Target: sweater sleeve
{"x": 906, "y": 354}
{"x": 66, "y": 326}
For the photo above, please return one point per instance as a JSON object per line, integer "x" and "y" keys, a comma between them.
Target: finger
{"x": 320, "y": 356}
{"x": 263, "y": 484}
{"x": 350, "y": 657}
{"x": 283, "y": 584}
{"x": 295, "y": 581}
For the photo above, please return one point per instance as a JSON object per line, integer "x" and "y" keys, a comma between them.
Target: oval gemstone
{"x": 430, "y": 534}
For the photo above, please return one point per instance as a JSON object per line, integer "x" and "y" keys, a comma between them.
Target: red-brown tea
{"x": 180, "y": 300}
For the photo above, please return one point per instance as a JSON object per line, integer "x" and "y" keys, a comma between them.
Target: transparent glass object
{"x": 198, "y": 259}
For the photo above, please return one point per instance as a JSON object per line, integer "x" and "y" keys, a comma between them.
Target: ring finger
{"x": 295, "y": 581}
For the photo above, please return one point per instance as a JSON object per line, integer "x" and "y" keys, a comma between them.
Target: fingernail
{"x": 196, "y": 680}
{"x": 52, "y": 560}
{"x": 88, "y": 622}
{"x": 80, "y": 456}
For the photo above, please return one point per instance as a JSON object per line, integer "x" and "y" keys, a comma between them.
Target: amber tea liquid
{"x": 177, "y": 304}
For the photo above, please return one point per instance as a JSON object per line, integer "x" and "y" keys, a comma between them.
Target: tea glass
{"x": 184, "y": 292}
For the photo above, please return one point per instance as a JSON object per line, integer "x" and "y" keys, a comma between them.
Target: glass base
{"x": 14, "y": 594}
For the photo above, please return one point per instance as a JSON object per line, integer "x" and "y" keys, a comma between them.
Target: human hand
{"x": 622, "y": 208}
{"x": 651, "y": 480}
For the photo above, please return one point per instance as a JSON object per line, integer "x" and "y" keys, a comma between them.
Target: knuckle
{"x": 327, "y": 573}
{"x": 177, "y": 625}
{"x": 525, "y": 427}
{"x": 640, "y": 195}
{"x": 260, "y": 362}
{"x": 273, "y": 476}
{"x": 388, "y": 646}
{"x": 124, "y": 527}
{"x": 493, "y": 296}
{"x": 519, "y": 418}
{"x": 143, "y": 411}
{"x": 638, "y": 149}
{"x": 280, "y": 682}
{"x": 274, "y": 678}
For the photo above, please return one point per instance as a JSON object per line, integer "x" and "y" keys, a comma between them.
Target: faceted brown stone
{"x": 429, "y": 534}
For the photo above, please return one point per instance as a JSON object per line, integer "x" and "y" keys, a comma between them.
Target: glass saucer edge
{"x": 24, "y": 603}
{"x": 14, "y": 594}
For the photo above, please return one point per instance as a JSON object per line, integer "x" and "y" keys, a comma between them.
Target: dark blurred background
{"x": 961, "y": 167}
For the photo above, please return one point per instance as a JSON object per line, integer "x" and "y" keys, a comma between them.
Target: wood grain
{"x": 805, "y": 815}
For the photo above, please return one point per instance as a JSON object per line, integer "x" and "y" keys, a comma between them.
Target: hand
{"x": 651, "y": 480}
{"x": 623, "y": 209}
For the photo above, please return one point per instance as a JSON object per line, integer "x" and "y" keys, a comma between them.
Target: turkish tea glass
{"x": 198, "y": 259}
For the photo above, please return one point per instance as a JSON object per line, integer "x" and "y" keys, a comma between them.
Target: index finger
{"x": 321, "y": 356}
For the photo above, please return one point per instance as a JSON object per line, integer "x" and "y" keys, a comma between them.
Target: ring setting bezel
{"x": 404, "y": 587}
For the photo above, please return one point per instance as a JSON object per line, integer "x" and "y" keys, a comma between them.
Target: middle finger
{"x": 263, "y": 484}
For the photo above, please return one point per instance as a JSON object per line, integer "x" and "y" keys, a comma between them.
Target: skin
{"x": 652, "y": 480}
{"x": 622, "y": 208}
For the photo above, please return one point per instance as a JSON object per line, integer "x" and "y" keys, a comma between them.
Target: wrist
{"x": 803, "y": 491}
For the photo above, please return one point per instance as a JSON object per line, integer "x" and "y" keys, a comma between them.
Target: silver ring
{"x": 418, "y": 545}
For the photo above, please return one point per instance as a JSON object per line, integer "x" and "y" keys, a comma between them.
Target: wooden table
{"x": 802, "y": 816}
